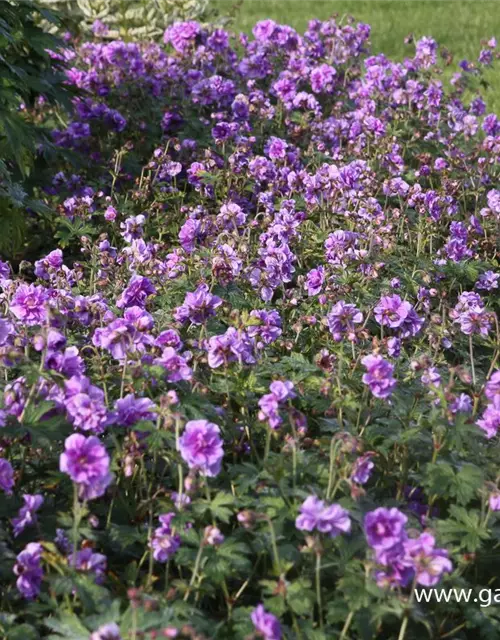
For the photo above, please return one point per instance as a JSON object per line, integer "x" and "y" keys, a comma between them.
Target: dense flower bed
{"x": 252, "y": 390}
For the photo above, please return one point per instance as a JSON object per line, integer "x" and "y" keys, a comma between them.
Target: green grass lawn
{"x": 459, "y": 25}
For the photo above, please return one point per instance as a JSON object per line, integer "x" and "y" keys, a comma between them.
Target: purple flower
{"x": 226, "y": 265}
{"x": 488, "y": 281}
{"x": 426, "y": 49}
{"x": 267, "y": 327}
{"x": 6, "y": 476}
{"x": 4, "y": 271}
{"x": 27, "y": 513}
{"x": 323, "y": 78}
{"x": 62, "y": 541}
{"x": 490, "y": 420}
{"x": 29, "y": 304}
{"x": 85, "y": 405}
{"x": 391, "y": 311}
{"x": 379, "y": 376}
{"x": 189, "y": 233}
{"x": 182, "y": 35}
{"x": 461, "y": 404}
{"x": 310, "y": 513}
{"x": 269, "y": 410}
{"x": 395, "y": 573}
{"x": 362, "y": 469}
{"x": 201, "y": 447}
{"x": 29, "y": 570}
{"x": 492, "y": 387}
{"x": 384, "y": 528}
{"x": 213, "y": 536}
{"x": 127, "y": 335}
{"x": 69, "y": 362}
{"x": 130, "y": 410}
{"x": 270, "y": 403}
{"x": 314, "y": 281}
{"x": 394, "y": 347}
{"x": 431, "y": 377}
{"x": 428, "y": 563}
{"x": 334, "y": 520}
{"x": 411, "y": 325}
{"x": 99, "y": 28}
{"x": 50, "y": 264}
{"x": 276, "y": 148}
{"x": 494, "y": 501}
{"x": 341, "y": 321}
{"x": 89, "y": 562}
{"x": 110, "y": 214}
{"x": 109, "y": 631}
{"x": 331, "y": 519}
{"x": 493, "y": 197}
{"x": 198, "y": 306}
{"x": 136, "y": 293}
{"x": 467, "y": 301}
{"x": 169, "y": 338}
{"x": 283, "y": 391}
{"x": 231, "y": 215}
{"x": 232, "y": 346}
{"x": 475, "y": 320}
{"x": 266, "y": 625}
{"x": 175, "y": 365}
{"x": 132, "y": 227}
{"x": 86, "y": 461}
{"x": 6, "y": 330}
{"x": 164, "y": 542}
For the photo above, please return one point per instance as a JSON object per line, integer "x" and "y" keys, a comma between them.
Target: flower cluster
{"x": 404, "y": 559}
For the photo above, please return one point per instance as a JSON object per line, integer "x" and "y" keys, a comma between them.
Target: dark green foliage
{"x": 28, "y": 77}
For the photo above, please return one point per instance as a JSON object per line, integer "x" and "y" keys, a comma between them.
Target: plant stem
{"x": 277, "y": 563}
{"x": 76, "y": 521}
{"x": 195, "y": 570}
{"x": 318, "y": 589}
{"x": 124, "y": 373}
{"x": 331, "y": 471}
{"x": 167, "y": 569}
{"x": 471, "y": 355}
{"x": 294, "y": 455}
{"x": 179, "y": 465}
{"x": 268, "y": 444}
{"x": 404, "y": 625}
{"x": 346, "y": 626}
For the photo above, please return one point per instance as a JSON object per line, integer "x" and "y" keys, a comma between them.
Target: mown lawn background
{"x": 459, "y": 25}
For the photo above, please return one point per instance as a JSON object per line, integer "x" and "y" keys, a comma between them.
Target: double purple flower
{"x": 379, "y": 376}
{"x": 201, "y": 447}
{"x": 331, "y": 519}
{"x": 29, "y": 570}
{"x": 198, "y": 306}
{"x": 87, "y": 463}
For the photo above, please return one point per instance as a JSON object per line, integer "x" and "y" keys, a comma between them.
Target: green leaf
{"x": 463, "y": 528}
{"x": 23, "y": 632}
{"x": 222, "y": 506}
{"x": 67, "y": 626}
